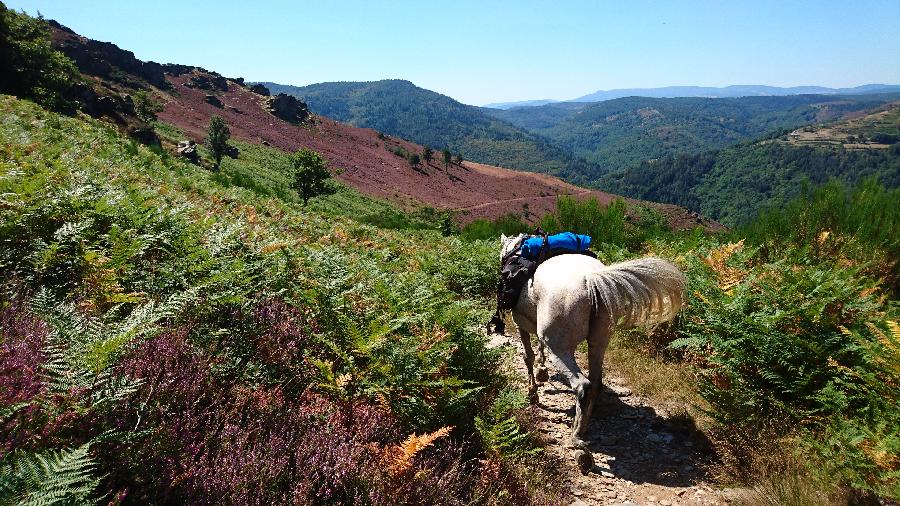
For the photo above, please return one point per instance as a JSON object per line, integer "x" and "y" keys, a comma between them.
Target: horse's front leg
{"x": 564, "y": 361}
{"x": 529, "y": 365}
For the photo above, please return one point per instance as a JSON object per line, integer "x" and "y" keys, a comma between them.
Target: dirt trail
{"x": 642, "y": 456}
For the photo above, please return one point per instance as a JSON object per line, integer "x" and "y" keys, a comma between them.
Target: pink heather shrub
{"x": 212, "y": 441}
{"x": 22, "y": 337}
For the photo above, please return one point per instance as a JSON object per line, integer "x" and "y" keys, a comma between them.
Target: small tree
{"x": 414, "y": 161}
{"x": 447, "y": 157}
{"x": 310, "y": 174}
{"x": 217, "y": 136}
{"x": 427, "y": 154}
{"x": 459, "y": 159}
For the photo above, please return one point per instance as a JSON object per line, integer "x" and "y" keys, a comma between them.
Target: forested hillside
{"x": 617, "y": 134}
{"x": 735, "y": 183}
{"x": 397, "y": 107}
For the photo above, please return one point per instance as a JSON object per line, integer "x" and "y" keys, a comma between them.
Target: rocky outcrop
{"x": 208, "y": 81}
{"x": 176, "y": 69}
{"x": 288, "y": 108}
{"x": 104, "y": 59}
{"x": 259, "y": 89}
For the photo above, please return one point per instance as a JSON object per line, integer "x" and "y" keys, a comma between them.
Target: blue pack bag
{"x": 565, "y": 241}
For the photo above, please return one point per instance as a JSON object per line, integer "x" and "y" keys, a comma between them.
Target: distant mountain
{"x": 733, "y": 184}
{"x": 620, "y": 133}
{"x": 740, "y": 90}
{"x": 524, "y": 103}
{"x": 400, "y": 108}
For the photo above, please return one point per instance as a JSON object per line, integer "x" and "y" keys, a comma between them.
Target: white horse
{"x": 576, "y": 297}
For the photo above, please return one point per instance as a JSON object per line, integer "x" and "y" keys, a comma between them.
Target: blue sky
{"x": 491, "y": 51}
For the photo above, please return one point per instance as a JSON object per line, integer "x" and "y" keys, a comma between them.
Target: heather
{"x": 170, "y": 338}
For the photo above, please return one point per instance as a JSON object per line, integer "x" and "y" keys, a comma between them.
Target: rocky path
{"x": 642, "y": 456}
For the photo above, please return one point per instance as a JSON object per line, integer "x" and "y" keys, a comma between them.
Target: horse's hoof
{"x": 585, "y": 460}
{"x": 533, "y": 396}
{"x": 542, "y": 375}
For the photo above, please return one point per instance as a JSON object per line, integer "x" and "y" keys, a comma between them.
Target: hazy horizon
{"x": 488, "y": 53}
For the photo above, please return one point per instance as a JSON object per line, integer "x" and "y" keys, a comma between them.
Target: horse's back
{"x": 565, "y": 272}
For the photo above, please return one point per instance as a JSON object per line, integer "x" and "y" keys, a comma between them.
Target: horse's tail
{"x": 644, "y": 291}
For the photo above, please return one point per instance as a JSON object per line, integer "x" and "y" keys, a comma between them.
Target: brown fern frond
{"x": 399, "y": 457}
{"x": 717, "y": 260}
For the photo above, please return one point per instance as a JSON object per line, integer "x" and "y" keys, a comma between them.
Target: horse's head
{"x": 510, "y": 243}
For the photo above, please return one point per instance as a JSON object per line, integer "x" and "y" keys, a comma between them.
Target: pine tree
{"x": 217, "y": 136}
{"x": 447, "y": 157}
{"x": 427, "y": 154}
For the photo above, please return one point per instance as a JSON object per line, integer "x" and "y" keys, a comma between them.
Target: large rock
{"x": 288, "y": 108}
{"x": 208, "y": 81}
{"x": 188, "y": 149}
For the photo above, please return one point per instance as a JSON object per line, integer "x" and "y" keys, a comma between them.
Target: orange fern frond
{"x": 399, "y": 457}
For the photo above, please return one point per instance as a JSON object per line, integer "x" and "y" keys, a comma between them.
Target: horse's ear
{"x": 503, "y": 238}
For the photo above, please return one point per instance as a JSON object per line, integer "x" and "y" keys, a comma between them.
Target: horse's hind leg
{"x": 542, "y": 376}
{"x": 529, "y": 365}
{"x": 598, "y": 340}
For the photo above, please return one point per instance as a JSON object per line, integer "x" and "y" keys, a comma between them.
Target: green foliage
{"x": 501, "y": 431}
{"x": 427, "y": 154}
{"x": 310, "y": 174}
{"x": 414, "y": 161}
{"x": 29, "y": 66}
{"x": 53, "y": 477}
{"x": 146, "y": 106}
{"x": 733, "y": 185}
{"x": 217, "y": 136}
{"x": 509, "y": 224}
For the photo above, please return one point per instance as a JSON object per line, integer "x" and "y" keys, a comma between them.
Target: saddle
{"x": 519, "y": 265}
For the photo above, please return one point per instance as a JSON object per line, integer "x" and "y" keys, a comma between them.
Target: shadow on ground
{"x": 631, "y": 441}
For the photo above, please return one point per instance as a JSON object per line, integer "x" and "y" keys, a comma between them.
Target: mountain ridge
{"x": 730, "y": 91}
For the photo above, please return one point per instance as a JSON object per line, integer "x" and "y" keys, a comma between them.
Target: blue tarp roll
{"x": 531, "y": 247}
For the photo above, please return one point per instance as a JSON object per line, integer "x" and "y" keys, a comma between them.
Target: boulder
{"x": 260, "y": 89}
{"x": 214, "y": 100}
{"x": 288, "y": 108}
{"x": 188, "y": 149}
{"x": 208, "y": 81}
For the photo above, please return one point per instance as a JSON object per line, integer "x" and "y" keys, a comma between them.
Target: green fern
{"x": 53, "y": 477}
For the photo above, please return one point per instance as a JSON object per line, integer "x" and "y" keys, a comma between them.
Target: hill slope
{"x": 400, "y": 108}
{"x": 734, "y": 184}
{"x": 371, "y": 163}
